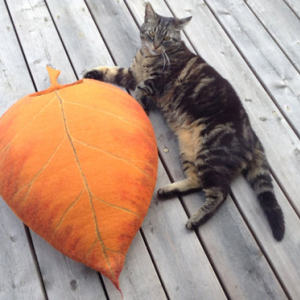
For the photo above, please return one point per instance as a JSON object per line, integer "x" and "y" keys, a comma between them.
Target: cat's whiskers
{"x": 166, "y": 59}
{"x": 162, "y": 54}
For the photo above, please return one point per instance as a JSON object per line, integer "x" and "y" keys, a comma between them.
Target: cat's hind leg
{"x": 188, "y": 158}
{"x": 175, "y": 188}
{"x": 215, "y": 178}
{"x": 214, "y": 198}
{"x": 120, "y": 76}
{"x": 190, "y": 183}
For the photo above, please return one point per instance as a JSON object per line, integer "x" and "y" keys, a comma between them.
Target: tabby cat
{"x": 214, "y": 133}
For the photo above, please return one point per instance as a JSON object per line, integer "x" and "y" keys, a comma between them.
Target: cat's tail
{"x": 258, "y": 175}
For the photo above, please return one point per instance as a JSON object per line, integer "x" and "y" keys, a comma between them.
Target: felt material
{"x": 78, "y": 165}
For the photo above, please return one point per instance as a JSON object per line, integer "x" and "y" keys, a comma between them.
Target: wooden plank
{"x": 19, "y": 278}
{"x": 110, "y": 18}
{"x": 143, "y": 279}
{"x": 238, "y": 284}
{"x": 42, "y": 46}
{"x": 65, "y": 278}
{"x": 295, "y": 6}
{"x": 269, "y": 63}
{"x": 282, "y": 24}
{"x": 283, "y": 256}
{"x": 11, "y": 63}
{"x": 119, "y": 11}
{"x": 37, "y": 35}
{"x": 210, "y": 238}
{"x": 80, "y": 34}
{"x": 77, "y": 30}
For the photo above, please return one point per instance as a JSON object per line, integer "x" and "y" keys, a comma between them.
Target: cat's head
{"x": 161, "y": 34}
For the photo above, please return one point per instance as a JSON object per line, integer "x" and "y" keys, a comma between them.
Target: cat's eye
{"x": 151, "y": 33}
{"x": 167, "y": 38}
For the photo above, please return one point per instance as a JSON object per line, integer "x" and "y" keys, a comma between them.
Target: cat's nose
{"x": 156, "y": 44}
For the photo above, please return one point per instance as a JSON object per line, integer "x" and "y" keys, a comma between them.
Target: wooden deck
{"x": 253, "y": 43}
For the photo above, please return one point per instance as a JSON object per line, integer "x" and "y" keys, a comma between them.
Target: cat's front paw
{"x": 93, "y": 74}
{"x": 142, "y": 99}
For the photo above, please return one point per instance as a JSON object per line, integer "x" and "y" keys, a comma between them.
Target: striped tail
{"x": 258, "y": 175}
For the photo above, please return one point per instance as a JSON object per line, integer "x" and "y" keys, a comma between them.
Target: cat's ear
{"x": 179, "y": 24}
{"x": 150, "y": 14}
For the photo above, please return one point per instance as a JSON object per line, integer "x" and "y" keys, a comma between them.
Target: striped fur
{"x": 214, "y": 133}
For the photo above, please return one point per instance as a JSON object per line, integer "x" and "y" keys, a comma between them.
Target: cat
{"x": 202, "y": 108}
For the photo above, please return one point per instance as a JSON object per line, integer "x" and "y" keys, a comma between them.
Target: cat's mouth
{"x": 152, "y": 50}
{"x": 159, "y": 52}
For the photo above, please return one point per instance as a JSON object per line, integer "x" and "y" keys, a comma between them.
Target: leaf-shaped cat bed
{"x": 78, "y": 165}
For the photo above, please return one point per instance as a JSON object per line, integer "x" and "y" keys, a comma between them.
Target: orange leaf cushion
{"x": 78, "y": 165}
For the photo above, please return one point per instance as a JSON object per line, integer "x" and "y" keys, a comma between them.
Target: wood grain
{"x": 233, "y": 255}
{"x": 19, "y": 277}
{"x": 276, "y": 72}
{"x": 271, "y": 13}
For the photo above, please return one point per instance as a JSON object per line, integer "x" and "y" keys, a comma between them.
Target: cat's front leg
{"x": 120, "y": 76}
{"x": 145, "y": 91}
{"x": 142, "y": 96}
{"x": 147, "y": 88}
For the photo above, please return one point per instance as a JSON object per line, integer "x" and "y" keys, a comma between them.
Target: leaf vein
{"x": 32, "y": 181}
{"x": 84, "y": 181}
{"x": 66, "y": 212}
{"x": 25, "y": 127}
{"x": 118, "y": 207}
{"x": 131, "y": 162}
{"x": 108, "y": 249}
{"x": 110, "y": 114}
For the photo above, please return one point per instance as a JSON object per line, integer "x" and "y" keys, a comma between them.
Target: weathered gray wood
{"x": 282, "y": 24}
{"x": 245, "y": 285}
{"x": 143, "y": 278}
{"x": 42, "y": 46}
{"x": 19, "y": 278}
{"x": 266, "y": 59}
{"x": 11, "y": 63}
{"x": 295, "y": 6}
{"x": 110, "y": 12}
{"x": 79, "y": 33}
{"x": 238, "y": 260}
{"x": 37, "y": 36}
{"x": 65, "y": 278}
{"x": 284, "y": 256}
